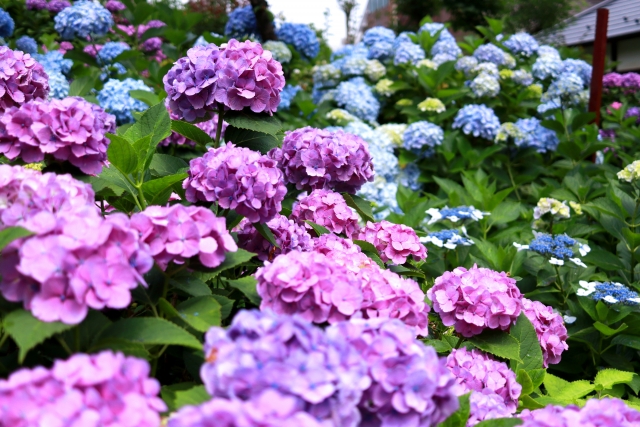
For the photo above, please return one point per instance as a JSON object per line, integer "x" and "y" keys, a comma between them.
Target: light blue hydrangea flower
{"x": 477, "y": 120}
{"x": 385, "y": 163}
{"x": 115, "y": 98}
{"x": 112, "y": 70}
{"x": 441, "y": 58}
{"x": 351, "y": 50}
{"x": 422, "y": 137}
{"x": 487, "y": 68}
{"x": 449, "y": 239}
{"x": 567, "y": 87}
{"x": 320, "y": 94}
{"x": 200, "y": 41}
{"x": 54, "y": 60}
{"x": 447, "y": 46}
{"x": 301, "y": 37}
{"x": 27, "y": 45}
{"x": 242, "y": 22}
{"x": 326, "y": 75}
{"x": 490, "y": 53}
{"x": 83, "y": 19}
{"x": 460, "y": 213}
{"x": 522, "y": 77}
{"x": 408, "y": 177}
{"x": 434, "y": 27}
{"x": 374, "y": 70}
{"x": 611, "y": 292}
{"x": 356, "y": 97}
{"x": 547, "y": 66}
{"x": 58, "y": 84}
{"x": 408, "y": 53}
{"x": 6, "y": 24}
{"x": 378, "y": 34}
{"x": 485, "y": 85}
{"x": 466, "y": 64}
{"x": 546, "y": 50}
{"x": 403, "y": 37}
{"x": 279, "y": 50}
{"x": 286, "y": 96}
{"x": 110, "y": 51}
{"x": 522, "y": 44}
{"x": 579, "y": 67}
{"x": 533, "y": 135}
{"x": 382, "y": 194}
{"x": 380, "y": 50}
{"x": 353, "y": 66}
{"x": 557, "y": 248}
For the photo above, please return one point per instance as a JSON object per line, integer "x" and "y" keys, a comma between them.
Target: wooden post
{"x": 599, "y": 56}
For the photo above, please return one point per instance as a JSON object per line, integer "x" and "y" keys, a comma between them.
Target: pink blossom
{"x": 394, "y": 242}
{"x": 288, "y": 235}
{"x": 22, "y": 79}
{"x": 326, "y": 208}
{"x": 550, "y": 329}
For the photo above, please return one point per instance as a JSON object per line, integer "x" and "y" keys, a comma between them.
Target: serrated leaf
{"x": 154, "y": 122}
{"x": 461, "y": 416}
{"x": 256, "y": 141}
{"x": 365, "y": 246}
{"x": 10, "y": 234}
{"x": 319, "y": 229}
{"x": 498, "y": 343}
{"x": 115, "y": 177}
{"x": 231, "y": 260}
{"x": 82, "y": 86}
{"x": 247, "y": 285}
{"x": 525, "y": 381}
{"x": 121, "y": 154}
{"x": 530, "y": 350}
{"x": 191, "y": 132}
{"x": 151, "y": 331}
{"x": 253, "y": 121}
{"x": 607, "y": 378}
{"x": 127, "y": 347}
{"x": 226, "y": 305}
{"x": 362, "y": 206}
{"x": 145, "y": 96}
{"x": 28, "y": 332}
{"x": 266, "y": 232}
{"x": 537, "y": 376}
{"x": 564, "y": 390}
{"x": 164, "y": 164}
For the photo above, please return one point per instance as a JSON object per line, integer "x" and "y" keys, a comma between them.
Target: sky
{"x": 313, "y": 12}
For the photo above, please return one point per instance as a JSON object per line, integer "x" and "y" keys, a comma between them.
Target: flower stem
{"x": 459, "y": 343}
{"x": 64, "y": 345}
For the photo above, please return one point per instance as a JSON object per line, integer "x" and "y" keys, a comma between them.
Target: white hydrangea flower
{"x": 631, "y": 172}
{"x": 553, "y": 206}
{"x": 587, "y": 288}
{"x": 556, "y": 261}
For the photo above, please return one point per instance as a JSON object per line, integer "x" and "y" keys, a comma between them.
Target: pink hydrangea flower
{"x": 289, "y": 237}
{"x": 595, "y": 413}
{"x": 477, "y": 371}
{"x": 177, "y": 233}
{"x": 104, "y": 389}
{"x": 22, "y": 79}
{"x": 394, "y": 242}
{"x": 550, "y": 329}
{"x": 92, "y": 49}
{"x": 237, "y": 178}
{"x": 311, "y": 285}
{"x": 486, "y": 405}
{"x": 326, "y": 208}
{"x": 476, "y": 299}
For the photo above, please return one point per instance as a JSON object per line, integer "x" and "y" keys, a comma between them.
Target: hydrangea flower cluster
{"x": 83, "y": 19}
{"x": 103, "y": 389}
{"x": 485, "y": 85}
{"x": 353, "y": 65}
{"x": 111, "y": 50}
{"x": 57, "y": 6}
{"x": 7, "y": 25}
{"x": 177, "y": 233}
{"x": 27, "y": 45}
{"x": 326, "y": 75}
{"x": 288, "y": 235}
{"x": 631, "y": 172}
{"x": 595, "y": 413}
{"x": 486, "y": 405}
{"x": 242, "y": 22}
{"x": 490, "y": 53}
{"x": 550, "y": 329}
{"x": 341, "y": 117}
{"x": 522, "y": 44}
{"x": 58, "y": 85}
{"x": 449, "y": 239}
{"x": 467, "y": 64}
{"x": 328, "y": 209}
{"x": 477, "y": 120}
{"x": 611, "y": 292}
{"x": 522, "y": 77}
{"x": 71, "y": 129}
{"x": 322, "y": 371}
{"x": 410, "y": 385}
{"x": 446, "y": 47}
{"x": 533, "y": 135}
{"x": 476, "y": 299}
{"x": 279, "y": 50}
{"x": 237, "y": 178}
{"x": 114, "y": 6}
{"x": 394, "y": 242}
{"x": 23, "y": 79}
{"x": 557, "y": 248}
{"x": 548, "y": 64}
{"x": 382, "y": 193}
{"x": 434, "y": 28}
{"x": 54, "y": 60}
{"x": 476, "y": 371}
{"x": 375, "y": 70}
{"x": 552, "y": 206}
{"x": 394, "y": 131}
{"x": 422, "y": 137}
{"x": 408, "y": 53}
{"x": 356, "y": 97}
{"x": 461, "y": 213}
{"x": 236, "y": 75}
{"x": 301, "y": 37}
{"x": 630, "y": 82}
{"x": 380, "y": 42}
{"x": 286, "y": 96}
{"x": 579, "y": 67}
{"x": 313, "y": 158}
{"x": 385, "y": 163}
{"x": 114, "y": 97}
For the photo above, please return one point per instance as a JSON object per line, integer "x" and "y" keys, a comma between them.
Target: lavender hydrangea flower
{"x": 550, "y": 330}
{"x": 422, "y": 137}
{"x": 57, "y": 6}
{"x": 477, "y": 120}
{"x": 22, "y": 79}
{"x": 328, "y": 209}
{"x": 486, "y": 405}
{"x": 312, "y": 159}
{"x": 7, "y": 25}
{"x": 476, "y": 299}
{"x": 27, "y": 45}
{"x": 237, "y": 178}
{"x": 490, "y": 53}
{"x": 323, "y": 372}
{"x": 356, "y": 97}
{"x": 83, "y": 19}
{"x": 533, "y": 135}
{"x": 242, "y": 22}
{"x": 595, "y": 413}
{"x": 301, "y": 37}
{"x": 36, "y": 4}
{"x": 288, "y": 235}
{"x": 408, "y": 53}
{"x": 477, "y": 371}
{"x": 522, "y": 44}
{"x": 114, "y": 6}
{"x": 114, "y": 97}
{"x": 394, "y": 242}
{"x": 86, "y": 390}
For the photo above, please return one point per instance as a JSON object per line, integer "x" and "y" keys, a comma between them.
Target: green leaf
{"x": 266, "y": 232}
{"x": 82, "y": 86}
{"x": 362, "y": 206}
{"x": 607, "y": 331}
{"x": 440, "y": 346}
{"x": 498, "y": 343}
{"x": 319, "y": 230}
{"x": 528, "y": 402}
{"x": 630, "y": 341}
{"x": 178, "y": 395}
{"x": 163, "y": 165}
{"x": 226, "y": 305}
{"x": 525, "y": 381}
{"x": 28, "y": 332}
{"x": 191, "y": 132}
{"x": 530, "y": 351}
{"x": 461, "y": 416}
{"x": 365, "y": 246}
{"x": 253, "y": 121}
{"x": 10, "y": 234}
{"x": 145, "y": 96}
{"x": 247, "y": 285}
{"x": 155, "y": 122}
{"x": 200, "y": 313}
{"x": 607, "y": 378}
{"x": 115, "y": 177}
{"x": 257, "y": 141}
{"x": 129, "y": 348}
{"x": 564, "y": 390}
{"x": 553, "y": 125}
{"x": 82, "y": 57}
{"x": 537, "y": 376}
{"x": 121, "y": 154}
{"x": 155, "y": 191}
{"x": 151, "y": 331}
{"x": 190, "y": 284}
{"x": 231, "y": 260}
{"x": 500, "y": 422}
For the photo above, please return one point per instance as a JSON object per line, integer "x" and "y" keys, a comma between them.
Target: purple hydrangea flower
{"x": 237, "y": 178}
{"x": 177, "y": 233}
{"x": 595, "y": 413}
{"x": 410, "y": 385}
{"x": 114, "y": 6}
{"x": 486, "y": 405}
{"x": 288, "y": 234}
{"x": 476, "y": 299}
{"x": 326, "y": 208}
{"x": 550, "y": 329}
{"x": 313, "y": 158}
{"x": 311, "y": 285}
{"x": 22, "y": 79}
{"x": 322, "y": 371}
{"x": 36, "y": 4}
{"x": 56, "y": 6}
{"x": 394, "y": 242}
{"x": 476, "y": 371}
{"x": 104, "y": 389}
{"x": 154, "y": 23}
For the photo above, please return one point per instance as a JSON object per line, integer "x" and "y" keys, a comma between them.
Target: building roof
{"x": 624, "y": 19}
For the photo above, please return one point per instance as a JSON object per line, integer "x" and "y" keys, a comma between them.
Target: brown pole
{"x": 599, "y": 56}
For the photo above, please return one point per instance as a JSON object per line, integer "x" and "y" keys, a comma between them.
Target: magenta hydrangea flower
{"x": 69, "y": 129}
{"x": 179, "y": 232}
{"x": 486, "y": 405}
{"x": 237, "y": 178}
{"x": 236, "y": 75}
{"x": 476, "y": 299}
{"x": 595, "y": 413}
{"x": 550, "y": 329}
{"x": 311, "y": 285}
{"x": 104, "y": 389}
{"x": 209, "y": 127}
{"x": 22, "y": 79}
{"x": 114, "y": 6}
{"x": 154, "y": 23}
{"x": 477, "y": 371}
{"x": 262, "y": 351}
{"x": 289, "y": 237}
{"x": 326, "y": 208}
{"x": 410, "y": 385}
{"x": 314, "y": 158}
{"x": 394, "y": 242}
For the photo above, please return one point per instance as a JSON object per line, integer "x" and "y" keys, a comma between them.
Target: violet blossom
{"x": 22, "y": 79}
{"x": 394, "y": 242}
{"x": 288, "y": 235}
{"x": 606, "y": 412}
{"x": 550, "y": 329}
{"x": 328, "y": 209}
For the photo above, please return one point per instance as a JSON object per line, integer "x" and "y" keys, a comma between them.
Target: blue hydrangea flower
{"x": 382, "y": 194}
{"x": 353, "y": 65}
{"x": 449, "y": 239}
{"x": 378, "y": 34}
{"x": 557, "y": 248}
{"x": 115, "y": 98}
{"x": 447, "y": 46}
{"x": 522, "y": 77}
{"x": 320, "y": 94}
{"x": 466, "y": 64}
{"x": 434, "y": 27}
{"x": 54, "y": 60}
{"x": 380, "y": 50}
{"x": 611, "y": 292}
{"x": 490, "y": 53}
{"x": 287, "y": 95}
{"x": 566, "y": 85}
{"x": 546, "y": 50}
{"x": 351, "y": 50}
{"x": 485, "y": 85}
{"x": 83, "y": 19}
{"x": 522, "y": 44}
{"x": 58, "y": 84}
{"x": 112, "y": 70}
{"x": 547, "y": 66}
{"x": 455, "y": 214}
{"x": 408, "y": 53}
{"x": 578, "y": 67}
{"x": 422, "y": 137}
{"x": 403, "y": 37}
{"x": 27, "y": 45}
{"x": 242, "y": 22}
{"x": 110, "y": 51}
{"x": 536, "y": 136}
{"x": 385, "y": 163}
{"x": 441, "y": 58}
{"x": 301, "y": 37}
{"x": 477, "y": 120}
{"x": 356, "y": 97}
{"x": 6, "y": 24}
{"x": 408, "y": 177}
{"x": 326, "y": 75}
